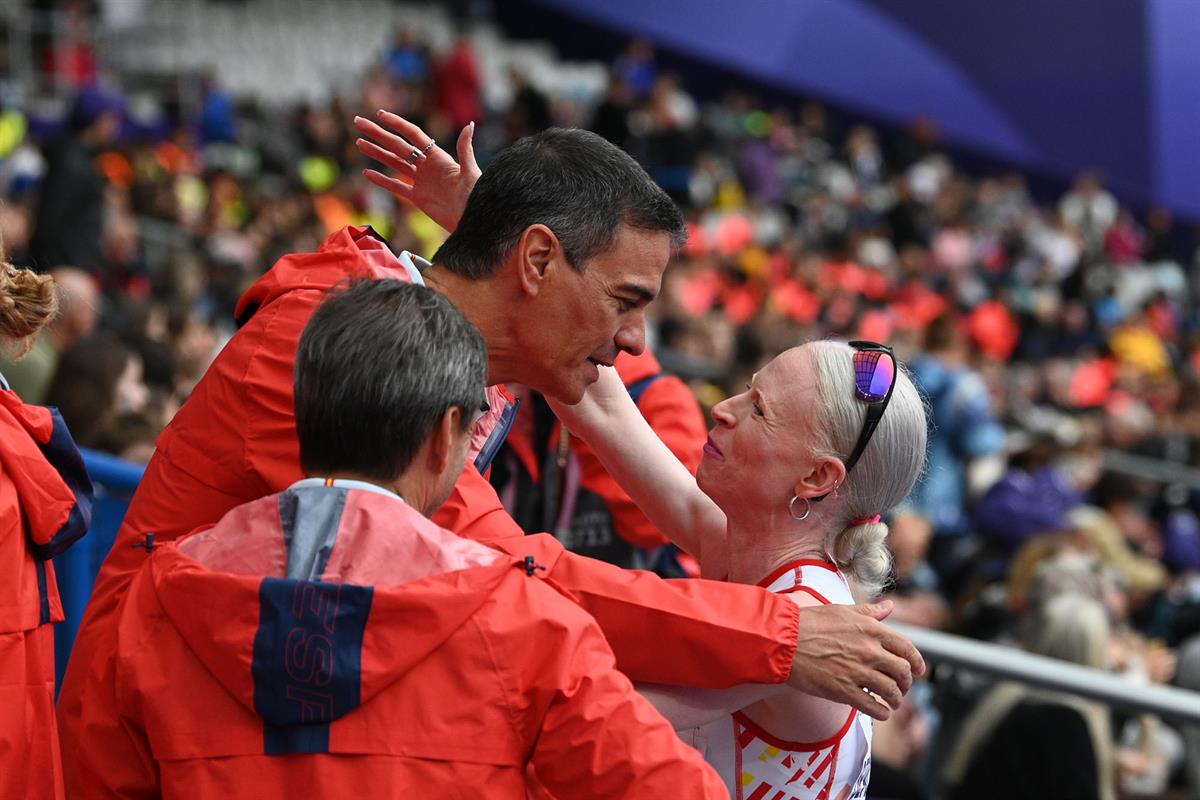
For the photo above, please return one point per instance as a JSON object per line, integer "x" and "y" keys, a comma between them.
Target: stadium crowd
{"x": 1043, "y": 333}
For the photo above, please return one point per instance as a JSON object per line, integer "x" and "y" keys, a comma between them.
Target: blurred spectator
{"x": 1032, "y": 498}
{"x": 408, "y": 58}
{"x": 98, "y": 380}
{"x": 70, "y": 59}
{"x": 611, "y": 117}
{"x": 914, "y": 592}
{"x": 635, "y": 67}
{"x": 1124, "y": 501}
{"x": 78, "y": 314}
{"x": 457, "y": 85}
{"x": 897, "y": 747}
{"x": 72, "y": 204}
{"x": 1189, "y": 678}
{"x": 530, "y": 110}
{"x": 1025, "y": 743}
{"x": 1160, "y": 235}
{"x": 1141, "y": 575}
{"x": 1136, "y": 343}
{"x": 217, "y": 122}
{"x": 965, "y": 428}
{"x": 1090, "y": 209}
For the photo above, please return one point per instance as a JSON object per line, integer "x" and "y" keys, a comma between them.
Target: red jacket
{"x": 365, "y": 653}
{"x": 40, "y": 514}
{"x": 235, "y": 441}
{"x": 672, "y": 411}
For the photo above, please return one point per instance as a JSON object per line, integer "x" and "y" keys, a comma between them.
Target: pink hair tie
{"x": 863, "y": 521}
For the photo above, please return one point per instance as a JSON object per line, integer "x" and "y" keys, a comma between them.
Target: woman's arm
{"x": 688, "y": 708}
{"x": 609, "y": 421}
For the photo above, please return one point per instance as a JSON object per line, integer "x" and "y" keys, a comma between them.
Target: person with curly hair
{"x": 45, "y": 505}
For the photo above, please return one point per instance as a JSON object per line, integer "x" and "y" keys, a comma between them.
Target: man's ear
{"x": 826, "y": 475}
{"x": 440, "y": 447}
{"x": 537, "y": 252}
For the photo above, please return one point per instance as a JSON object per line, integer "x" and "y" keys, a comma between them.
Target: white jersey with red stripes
{"x": 759, "y": 766}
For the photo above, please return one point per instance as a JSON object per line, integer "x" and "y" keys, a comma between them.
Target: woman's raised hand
{"x": 426, "y": 175}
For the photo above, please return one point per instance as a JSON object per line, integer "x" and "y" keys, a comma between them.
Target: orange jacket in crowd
{"x": 329, "y": 641}
{"x": 235, "y": 441}
{"x": 589, "y": 508}
{"x": 44, "y": 507}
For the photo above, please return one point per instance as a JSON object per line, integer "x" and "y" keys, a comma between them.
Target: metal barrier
{"x": 115, "y": 481}
{"x": 1012, "y": 664}
{"x": 1167, "y": 472}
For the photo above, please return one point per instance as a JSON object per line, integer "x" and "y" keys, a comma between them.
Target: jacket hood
{"x": 352, "y": 252}
{"x": 41, "y": 460}
{"x": 292, "y": 602}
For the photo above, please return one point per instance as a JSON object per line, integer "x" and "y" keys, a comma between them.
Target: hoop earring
{"x": 792, "y": 508}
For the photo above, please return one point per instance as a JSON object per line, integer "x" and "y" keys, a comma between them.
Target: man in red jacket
{"x": 331, "y": 641}
{"x": 562, "y": 244}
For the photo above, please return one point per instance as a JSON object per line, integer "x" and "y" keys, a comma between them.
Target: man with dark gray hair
{"x": 415, "y": 662}
{"x": 560, "y": 247}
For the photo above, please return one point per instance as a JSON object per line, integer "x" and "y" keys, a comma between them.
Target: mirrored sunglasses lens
{"x": 874, "y": 372}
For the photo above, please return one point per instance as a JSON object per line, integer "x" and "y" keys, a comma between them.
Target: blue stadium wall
{"x": 1052, "y": 86}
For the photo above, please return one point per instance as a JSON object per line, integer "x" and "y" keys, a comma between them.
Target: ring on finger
{"x": 416, "y": 155}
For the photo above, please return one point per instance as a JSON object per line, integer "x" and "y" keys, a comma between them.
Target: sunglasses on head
{"x": 874, "y": 380}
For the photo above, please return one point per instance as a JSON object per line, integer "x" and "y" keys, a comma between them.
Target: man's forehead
{"x": 637, "y": 259}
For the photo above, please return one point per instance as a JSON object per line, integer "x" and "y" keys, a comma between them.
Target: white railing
{"x": 1017, "y": 665}
{"x": 1167, "y": 472}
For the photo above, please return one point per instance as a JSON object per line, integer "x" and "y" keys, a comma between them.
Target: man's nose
{"x": 632, "y": 336}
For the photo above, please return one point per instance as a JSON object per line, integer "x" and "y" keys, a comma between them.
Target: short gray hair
{"x": 377, "y": 366}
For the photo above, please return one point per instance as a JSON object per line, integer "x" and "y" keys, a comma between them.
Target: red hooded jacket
{"x": 332, "y": 642}
{"x": 235, "y": 441}
{"x": 40, "y": 515}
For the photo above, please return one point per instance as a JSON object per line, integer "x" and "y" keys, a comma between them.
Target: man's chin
{"x": 570, "y": 395}
{"x": 572, "y": 385}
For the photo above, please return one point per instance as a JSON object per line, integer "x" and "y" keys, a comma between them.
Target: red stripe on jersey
{"x": 803, "y": 747}
{"x": 820, "y": 768}
{"x": 761, "y": 791}
{"x": 795, "y": 565}
{"x": 737, "y": 760}
{"x": 828, "y": 788}
{"x": 808, "y": 589}
{"x": 745, "y": 734}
